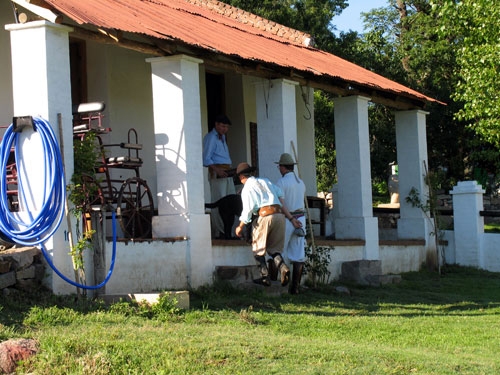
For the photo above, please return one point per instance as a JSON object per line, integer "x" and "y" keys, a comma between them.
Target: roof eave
{"x": 334, "y": 85}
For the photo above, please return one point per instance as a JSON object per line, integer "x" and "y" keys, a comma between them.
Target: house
{"x": 166, "y": 68}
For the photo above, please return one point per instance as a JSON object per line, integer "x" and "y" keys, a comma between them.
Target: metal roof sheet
{"x": 209, "y": 25}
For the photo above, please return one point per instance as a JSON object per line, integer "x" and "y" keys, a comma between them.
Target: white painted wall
{"x": 491, "y": 251}
{"x": 128, "y": 99}
{"x": 147, "y": 267}
{"x": 402, "y": 258}
{"x": 6, "y": 104}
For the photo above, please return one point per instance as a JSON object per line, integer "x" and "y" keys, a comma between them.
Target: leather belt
{"x": 270, "y": 210}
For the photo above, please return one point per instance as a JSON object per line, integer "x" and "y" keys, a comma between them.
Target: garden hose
{"x": 36, "y": 230}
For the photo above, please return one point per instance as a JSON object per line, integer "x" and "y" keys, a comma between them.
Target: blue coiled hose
{"x": 48, "y": 220}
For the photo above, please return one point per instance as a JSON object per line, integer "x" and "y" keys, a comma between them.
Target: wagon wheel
{"x": 91, "y": 197}
{"x": 11, "y": 179}
{"x": 135, "y": 208}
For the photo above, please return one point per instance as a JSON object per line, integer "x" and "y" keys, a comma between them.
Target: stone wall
{"x": 21, "y": 269}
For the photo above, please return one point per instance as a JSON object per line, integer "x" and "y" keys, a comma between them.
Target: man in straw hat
{"x": 294, "y": 191}
{"x": 261, "y": 197}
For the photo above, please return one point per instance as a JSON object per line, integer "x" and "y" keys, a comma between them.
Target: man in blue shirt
{"x": 261, "y": 197}
{"x": 216, "y": 158}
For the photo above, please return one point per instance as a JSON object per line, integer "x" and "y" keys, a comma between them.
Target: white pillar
{"x": 42, "y": 88}
{"x": 179, "y": 167}
{"x": 355, "y": 210}
{"x": 306, "y": 146}
{"x": 277, "y": 123}
{"x": 468, "y": 223}
{"x": 411, "y": 144}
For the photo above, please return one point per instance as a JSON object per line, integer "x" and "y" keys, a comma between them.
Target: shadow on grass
{"x": 459, "y": 290}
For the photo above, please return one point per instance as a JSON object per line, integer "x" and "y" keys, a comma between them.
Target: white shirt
{"x": 294, "y": 191}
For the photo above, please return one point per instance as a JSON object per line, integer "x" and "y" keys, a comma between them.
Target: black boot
{"x": 264, "y": 280}
{"x": 296, "y": 276}
{"x": 282, "y": 267}
{"x": 273, "y": 271}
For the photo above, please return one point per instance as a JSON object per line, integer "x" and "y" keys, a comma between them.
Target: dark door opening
{"x": 216, "y": 100}
{"x": 78, "y": 67}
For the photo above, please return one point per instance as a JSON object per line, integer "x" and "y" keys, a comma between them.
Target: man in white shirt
{"x": 294, "y": 191}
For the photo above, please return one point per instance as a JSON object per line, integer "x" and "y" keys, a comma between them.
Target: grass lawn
{"x": 427, "y": 324}
{"x": 492, "y": 228}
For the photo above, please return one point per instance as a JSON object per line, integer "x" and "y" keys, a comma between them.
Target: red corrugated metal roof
{"x": 218, "y": 31}
{"x": 245, "y": 17}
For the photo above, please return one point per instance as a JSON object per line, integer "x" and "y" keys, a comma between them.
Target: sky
{"x": 350, "y": 19}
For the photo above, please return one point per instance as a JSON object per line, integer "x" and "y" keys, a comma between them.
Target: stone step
{"x": 366, "y": 272}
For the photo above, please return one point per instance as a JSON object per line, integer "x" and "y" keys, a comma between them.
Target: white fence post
{"x": 468, "y": 223}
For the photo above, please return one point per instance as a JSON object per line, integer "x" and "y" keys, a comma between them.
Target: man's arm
{"x": 296, "y": 223}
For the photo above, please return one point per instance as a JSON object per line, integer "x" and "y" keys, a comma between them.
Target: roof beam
{"x": 106, "y": 38}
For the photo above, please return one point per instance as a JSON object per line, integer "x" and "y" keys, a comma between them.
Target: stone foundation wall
{"x": 21, "y": 269}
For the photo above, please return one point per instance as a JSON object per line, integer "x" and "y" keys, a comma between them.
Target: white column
{"x": 412, "y": 158}
{"x": 468, "y": 223}
{"x": 277, "y": 123}
{"x": 355, "y": 210}
{"x": 178, "y": 134}
{"x": 306, "y": 147}
{"x": 41, "y": 88}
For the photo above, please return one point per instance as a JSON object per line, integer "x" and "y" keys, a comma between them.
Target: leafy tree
{"x": 409, "y": 50}
{"x": 474, "y": 31}
{"x": 326, "y": 166}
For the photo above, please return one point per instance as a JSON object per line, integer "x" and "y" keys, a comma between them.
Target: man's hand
{"x": 239, "y": 229}
{"x": 219, "y": 172}
{"x": 296, "y": 223}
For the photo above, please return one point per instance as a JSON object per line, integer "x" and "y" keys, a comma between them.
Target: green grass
{"x": 492, "y": 228}
{"x": 427, "y": 324}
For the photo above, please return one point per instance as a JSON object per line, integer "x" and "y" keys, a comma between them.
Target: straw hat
{"x": 285, "y": 159}
{"x": 244, "y": 168}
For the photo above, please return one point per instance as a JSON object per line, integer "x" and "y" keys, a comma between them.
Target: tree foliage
{"x": 406, "y": 41}
{"x": 446, "y": 49}
{"x": 326, "y": 166}
{"x": 473, "y": 29}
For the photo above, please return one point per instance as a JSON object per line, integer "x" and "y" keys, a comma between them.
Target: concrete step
{"x": 366, "y": 272}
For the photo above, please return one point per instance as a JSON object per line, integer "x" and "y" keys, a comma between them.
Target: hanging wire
{"x": 266, "y": 97}
{"x": 305, "y": 98}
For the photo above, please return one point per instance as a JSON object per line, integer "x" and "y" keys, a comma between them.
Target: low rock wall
{"x": 21, "y": 269}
